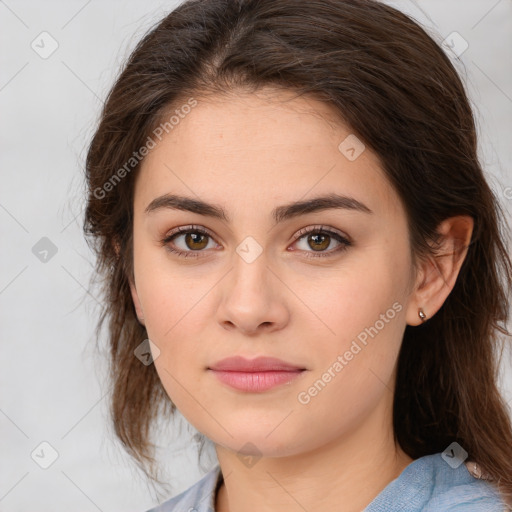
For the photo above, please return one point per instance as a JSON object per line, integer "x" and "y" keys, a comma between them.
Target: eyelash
{"x": 317, "y": 230}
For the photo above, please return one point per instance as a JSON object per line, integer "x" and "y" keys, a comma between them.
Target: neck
{"x": 346, "y": 474}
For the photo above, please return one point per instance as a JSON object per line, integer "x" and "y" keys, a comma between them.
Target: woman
{"x": 301, "y": 254}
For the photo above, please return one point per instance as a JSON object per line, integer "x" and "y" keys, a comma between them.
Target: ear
{"x": 437, "y": 275}
{"x": 136, "y": 303}
{"x": 133, "y": 289}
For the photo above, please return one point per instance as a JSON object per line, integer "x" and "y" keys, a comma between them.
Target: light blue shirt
{"x": 427, "y": 484}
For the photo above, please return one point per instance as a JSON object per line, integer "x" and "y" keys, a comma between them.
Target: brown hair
{"x": 393, "y": 85}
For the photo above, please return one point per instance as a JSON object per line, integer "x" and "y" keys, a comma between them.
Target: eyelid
{"x": 321, "y": 228}
{"x": 296, "y": 236}
{"x": 187, "y": 229}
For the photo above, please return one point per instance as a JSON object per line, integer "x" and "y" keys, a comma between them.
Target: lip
{"x": 259, "y": 364}
{"x": 255, "y": 375}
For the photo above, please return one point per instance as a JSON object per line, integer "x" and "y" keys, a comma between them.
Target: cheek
{"x": 169, "y": 309}
{"x": 175, "y": 311}
{"x": 363, "y": 321}
{"x": 354, "y": 367}
{"x": 353, "y": 299}
{"x": 164, "y": 294}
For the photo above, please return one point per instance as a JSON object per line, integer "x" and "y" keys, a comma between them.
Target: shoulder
{"x": 430, "y": 484}
{"x": 456, "y": 489}
{"x": 200, "y": 497}
{"x": 477, "y": 496}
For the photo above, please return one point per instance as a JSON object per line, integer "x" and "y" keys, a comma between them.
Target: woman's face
{"x": 260, "y": 284}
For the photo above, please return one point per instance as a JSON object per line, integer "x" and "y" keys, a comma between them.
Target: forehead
{"x": 269, "y": 145}
{"x": 244, "y": 125}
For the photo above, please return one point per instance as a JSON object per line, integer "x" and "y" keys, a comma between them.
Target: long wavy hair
{"x": 397, "y": 90}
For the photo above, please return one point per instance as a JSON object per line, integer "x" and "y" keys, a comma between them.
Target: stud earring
{"x": 422, "y": 315}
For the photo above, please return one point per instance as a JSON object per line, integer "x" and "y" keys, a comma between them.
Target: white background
{"x": 52, "y": 385}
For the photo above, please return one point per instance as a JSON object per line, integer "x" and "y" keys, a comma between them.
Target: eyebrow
{"x": 279, "y": 214}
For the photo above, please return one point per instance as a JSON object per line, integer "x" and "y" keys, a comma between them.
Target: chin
{"x": 258, "y": 443}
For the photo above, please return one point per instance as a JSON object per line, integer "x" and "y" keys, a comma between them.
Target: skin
{"x": 250, "y": 153}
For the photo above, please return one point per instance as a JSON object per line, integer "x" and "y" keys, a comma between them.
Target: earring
{"x": 422, "y": 315}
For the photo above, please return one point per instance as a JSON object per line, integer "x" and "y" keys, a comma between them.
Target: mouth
{"x": 255, "y": 375}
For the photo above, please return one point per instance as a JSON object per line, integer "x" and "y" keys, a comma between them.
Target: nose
{"x": 254, "y": 298}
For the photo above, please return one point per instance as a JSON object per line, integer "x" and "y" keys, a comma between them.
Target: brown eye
{"x": 318, "y": 241}
{"x": 195, "y": 240}
{"x": 187, "y": 241}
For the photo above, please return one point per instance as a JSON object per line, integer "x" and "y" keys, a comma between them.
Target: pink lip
{"x": 255, "y": 375}
{"x": 259, "y": 364}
